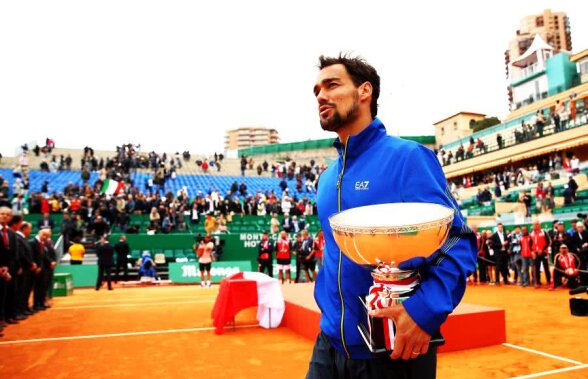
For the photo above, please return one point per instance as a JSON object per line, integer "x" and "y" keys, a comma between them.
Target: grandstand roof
{"x": 530, "y": 56}
{"x": 458, "y": 113}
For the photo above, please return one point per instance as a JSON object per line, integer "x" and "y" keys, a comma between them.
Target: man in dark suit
{"x": 298, "y": 225}
{"x": 105, "y": 253}
{"x": 500, "y": 246}
{"x": 42, "y": 255}
{"x": 287, "y": 223}
{"x": 122, "y": 251}
{"x": 579, "y": 245}
{"x": 8, "y": 262}
{"x": 15, "y": 286}
{"x": 46, "y": 222}
{"x": 29, "y": 268}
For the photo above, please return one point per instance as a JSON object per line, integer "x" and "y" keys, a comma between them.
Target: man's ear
{"x": 365, "y": 90}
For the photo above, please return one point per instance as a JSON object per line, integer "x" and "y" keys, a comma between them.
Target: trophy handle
{"x": 379, "y": 348}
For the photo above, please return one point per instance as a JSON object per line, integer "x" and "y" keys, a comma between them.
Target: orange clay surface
{"x": 165, "y": 332}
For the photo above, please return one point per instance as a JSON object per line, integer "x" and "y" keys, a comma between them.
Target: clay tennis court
{"x": 166, "y": 332}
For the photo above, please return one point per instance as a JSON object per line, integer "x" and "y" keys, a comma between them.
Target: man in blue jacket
{"x": 375, "y": 168}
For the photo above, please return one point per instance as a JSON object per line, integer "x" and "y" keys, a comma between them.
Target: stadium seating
{"x": 193, "y": 183}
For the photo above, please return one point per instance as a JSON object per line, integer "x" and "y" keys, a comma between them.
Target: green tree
{"x": 484, "y": 124}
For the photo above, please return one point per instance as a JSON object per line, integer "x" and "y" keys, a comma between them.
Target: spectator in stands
{"x": 122, "y": 250}
{"x": 539, "y": 123}
{"x": 243, "y": 189}
{"x": 559, "y": 108}
{"x": 274, "y": 224}
{"x": 99, "y": 227}
{"x": 573, "y": 187}
{"x": 541, "y": 197}
{"x": 540, "y": 249}
{"x": 46, "y": 222}
{"x": 154, "y": 216}
{"x": 264, "y": 258}
{"x": 575, "y": 165}
{"x": 243, "y": 165}
{"x": 210, "y": 224}
{"x": 287, "y": 223}
{"x": 499, "y": 141}
{"x": 297, "y": 225}
{"x": 568, "y": 195}
{"x": 76, "y": 252}
{"x": 525, "y": 199}
{"x": 18, "y": 204}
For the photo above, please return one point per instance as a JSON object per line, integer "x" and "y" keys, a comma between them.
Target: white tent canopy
{"x": 530, "y": 56}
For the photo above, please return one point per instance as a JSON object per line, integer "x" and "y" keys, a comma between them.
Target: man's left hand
{"x": 410, "y": 340}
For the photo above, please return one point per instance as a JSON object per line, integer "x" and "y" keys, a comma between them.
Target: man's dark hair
{"x": 360, "y": 72}
{"x": 15, "y": 220}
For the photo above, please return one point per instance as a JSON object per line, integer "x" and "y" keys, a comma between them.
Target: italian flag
{"x": 112, "y": 187}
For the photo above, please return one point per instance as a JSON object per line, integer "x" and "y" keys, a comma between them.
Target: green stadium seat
{"x": 168, "y": 253}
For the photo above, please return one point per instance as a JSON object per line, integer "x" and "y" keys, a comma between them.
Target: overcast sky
{"x": 175, "y": 75}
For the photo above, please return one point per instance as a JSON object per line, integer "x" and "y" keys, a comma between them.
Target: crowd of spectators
{"x": 526, "y": 257}
{"x": 494, "y": 183}
{"x": 528, "y": 130}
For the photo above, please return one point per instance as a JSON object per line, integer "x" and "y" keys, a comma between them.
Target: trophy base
{"x": 379, "y": 337}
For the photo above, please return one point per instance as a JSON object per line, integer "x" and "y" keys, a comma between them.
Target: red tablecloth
{"x": 235, "y": 294}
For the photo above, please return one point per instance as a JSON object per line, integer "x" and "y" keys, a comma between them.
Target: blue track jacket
{"x": 375, "y": 168}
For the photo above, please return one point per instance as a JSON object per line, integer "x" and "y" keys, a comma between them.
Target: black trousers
{"x": 502, "y": 266}
{"x": 40, "y": 288}
{"x": 49, "y": 284}
{"x": 482, "y": 268}
{"x": 266, "y": 265}
{"x": 122, "y": 266}
{"x": 538, "y": 261}
{"x": 558, "y": 278}
{"x": 12, "y": 289}
{"x": 104, "y": 270}
{"x": 27, "y": 288}
{"x": 298, "y": 266}
{"x": 327, "y": 363}
{"x": 2, "y": 299}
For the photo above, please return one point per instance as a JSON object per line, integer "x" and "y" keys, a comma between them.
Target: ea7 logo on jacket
{"x": 362, "y": 186}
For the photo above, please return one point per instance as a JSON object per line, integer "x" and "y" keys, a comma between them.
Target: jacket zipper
{"x": 339, "y": 184}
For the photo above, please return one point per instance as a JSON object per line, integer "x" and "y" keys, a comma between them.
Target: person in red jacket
{"x": 283, "y": 257}
{"x": 318, "y": 244}
{"x": 540, "y": 250}
{"x": 526, "y": 256}
{"x": 566, "y": 267}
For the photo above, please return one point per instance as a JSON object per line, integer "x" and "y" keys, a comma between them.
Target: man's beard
{"x": 338, "y": 120}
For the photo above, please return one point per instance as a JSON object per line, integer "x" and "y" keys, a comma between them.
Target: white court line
{"x": 94, "y": 301}
{"x": 542, "y": 353}
{"x": 133, "y": 304}
{"x": 550, "y": 372}
{"x": 129, "y": 334}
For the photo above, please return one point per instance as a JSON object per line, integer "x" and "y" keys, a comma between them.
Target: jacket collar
{"x": 361, "y": 142}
